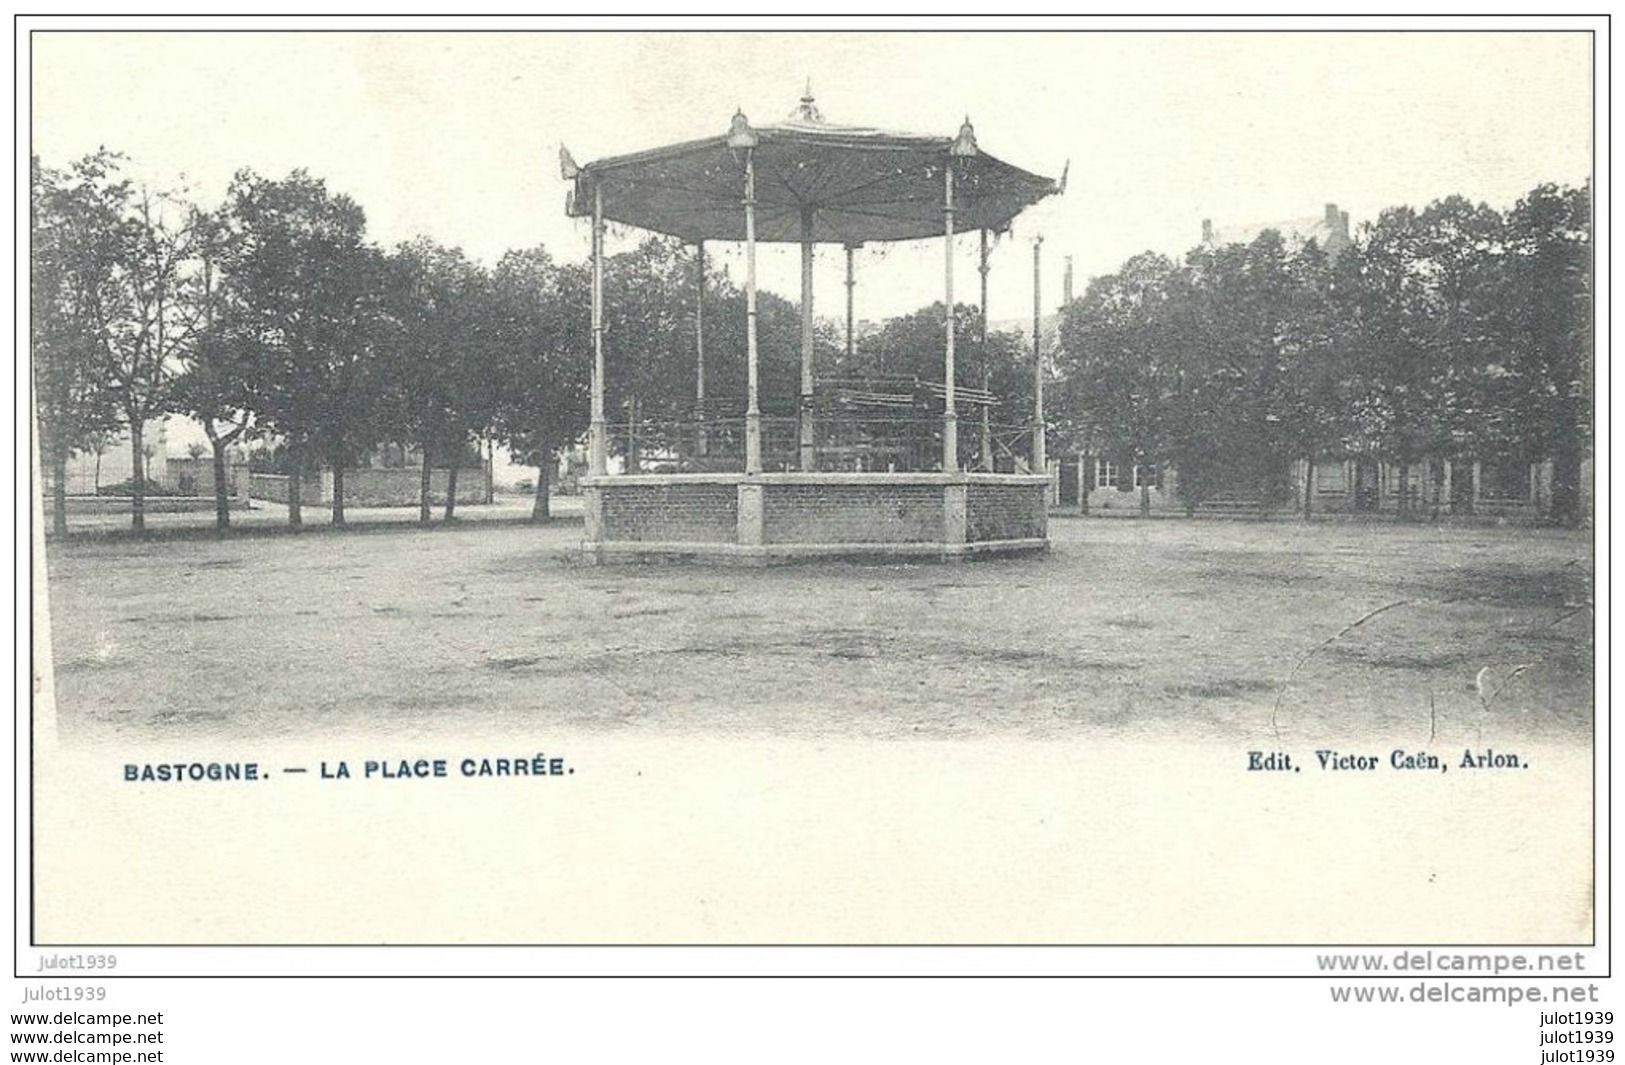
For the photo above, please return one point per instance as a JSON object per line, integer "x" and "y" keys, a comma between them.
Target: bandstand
{"x": 872, "y": 466}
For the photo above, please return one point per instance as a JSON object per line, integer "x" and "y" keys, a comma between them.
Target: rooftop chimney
{"x": 1331, "y": 215}
{"x": 1066, "y": 282}
{"x": 1207, "y": 231}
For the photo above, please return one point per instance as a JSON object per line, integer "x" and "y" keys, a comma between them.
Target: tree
{"x": 649, "y": 332}
{"x": 1544, "y": 387}
{"x": 444, "y": 384}
{"x": 1405, "y": 374}
{"x": 1461, "y": 257}
{"x": 1319, "y": 342}
{"x": 356, "y": 339}
{"x": 1120, "y": 363}
{"x": 215, "y": 386}
{"x": 1244, "y": 305}
{"x": 543, "y": 360}
{"x": 302, "y": 309}
{"x": 650, "y": 370}
{"x": 72, "y": 401}
{"x": 98, "y": 444}
{"x": 1453, "y": 331}
{"x": 1196, "y": 407}
{"x": 1004, "y": 366}
{"x": 911, "y": 345}
{"x": 131, "y": 261}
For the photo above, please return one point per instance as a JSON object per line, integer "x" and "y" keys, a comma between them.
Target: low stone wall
{"x": 402, "y": 487}
{"x": 273, "y": 487}
{"x": 692, "y": 513}
{"x": 853, "y": 514}
{"x": 374, "y": 488}
{"x": 1005, "y": 512}
{"x": 149, "y": 504}
{"x": 784, "y": 516}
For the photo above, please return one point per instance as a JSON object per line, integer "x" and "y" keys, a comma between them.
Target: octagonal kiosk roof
{"x": 853, "y": 184}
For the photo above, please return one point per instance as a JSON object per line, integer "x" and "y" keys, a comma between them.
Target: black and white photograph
{"x": 866, "y": 488}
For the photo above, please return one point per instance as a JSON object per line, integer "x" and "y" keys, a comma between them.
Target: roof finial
{"x": 808, "y": 111}
{"x": 965, "y": 143}
{"x": 740, "y": 135}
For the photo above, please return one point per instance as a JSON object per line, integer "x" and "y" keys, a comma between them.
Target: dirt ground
{"x": 1231, "y": 630}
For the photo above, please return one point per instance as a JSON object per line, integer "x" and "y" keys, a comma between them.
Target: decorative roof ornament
{"x": 567, "y": 165}
{"x": 965, "y": 144}
{"x": 740, "y": 135}
{"x": 808, "y": 111}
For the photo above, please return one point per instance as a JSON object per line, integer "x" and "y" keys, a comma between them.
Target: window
{"x": 1105, "y": 474}
{"x": 1506, "y": 480}
{"x": 1331, "y": 478}
{"x": 1147, "y": 477}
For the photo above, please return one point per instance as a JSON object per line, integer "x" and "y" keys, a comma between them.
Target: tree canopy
{"x": 1455, "y": 331}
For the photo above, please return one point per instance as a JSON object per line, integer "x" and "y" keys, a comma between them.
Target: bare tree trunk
{"x": 1404, "y": 503}
{"x": 1145, "y": 501}
{"x": 451, "y": 489}
{"x": 59, "y": 493}
{"x": 1568, "y": 478}
{"x": 222, "y": 502}
{"x": 1308, "y": 487}
{"x": 542, "y": 510}
{"x": 296, "y": 516}
{"x": 632, "y": 440}
{"x": 338, "y": 490}
{"x": 97, "y": 483}
{"x": 424, "y": 489}
{"x": 1086, "y": 482}
{"x": 138, "y": 483}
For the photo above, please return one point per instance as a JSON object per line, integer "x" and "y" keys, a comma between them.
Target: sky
{"x": 456, "y": 136}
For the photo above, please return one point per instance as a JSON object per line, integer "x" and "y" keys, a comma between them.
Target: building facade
{"x": 1329, "y": 230}
{"x": 1500, "y": 488}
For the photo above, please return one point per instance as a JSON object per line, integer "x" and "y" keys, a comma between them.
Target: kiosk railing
{"x": 842, "y": 442}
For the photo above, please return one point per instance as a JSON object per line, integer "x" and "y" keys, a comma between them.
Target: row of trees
{"x": 1452, "y": 331}
{"x": 273, "y": 317}
{"x": 1448, "y": 332}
